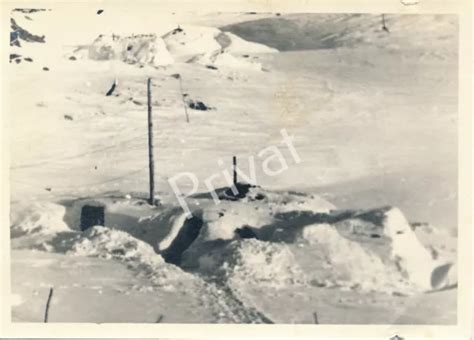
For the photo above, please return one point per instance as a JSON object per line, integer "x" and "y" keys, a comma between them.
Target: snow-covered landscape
{"x": 344, "y": 130}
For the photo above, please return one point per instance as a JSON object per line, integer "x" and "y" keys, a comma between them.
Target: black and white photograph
{"x": 197, "y": 166}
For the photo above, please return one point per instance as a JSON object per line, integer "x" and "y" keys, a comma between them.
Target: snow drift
{"x": 252, "y": 262}
{"x": 109, "y": 243}
{"x": 40, "y": 217}
{"x": 387, "y": 232}
{"x": 210, "y": 46}
{"x": 350, "y": 264}
{"x": 374, "y": 250}
{"x": 262, "y": 238}
{"x": 186, "y": 41}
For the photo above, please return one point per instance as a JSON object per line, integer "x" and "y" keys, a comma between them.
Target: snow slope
{"x": 326, "y": 31}
{"x": 239, "y": 45}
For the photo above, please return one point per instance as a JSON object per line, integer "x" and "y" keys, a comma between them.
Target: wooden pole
{"x": 234, "y": 161}
{"x": 184, "y": 101}
{"x": 46, "y": 311}
{"x": 151, "y": 163}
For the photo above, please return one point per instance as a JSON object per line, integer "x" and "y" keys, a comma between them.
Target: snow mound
{"x": 258, "y": 209}
{"x": 192, "y": 40}
{"x": 210, "y": 42}
{"x": 251, "y": 262}
{"x": 415, "y": 259}
{"x": 387, "y": 232}
{"x": 136, "y": 49}
{"x": 373, "y": 250}
{"x": 347, "y": 263}
{"x": 109, "y": 243}
{"x": 41, "y": 217}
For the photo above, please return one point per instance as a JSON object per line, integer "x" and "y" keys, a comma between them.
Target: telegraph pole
{"x": 234, "y": 169}
{"x": 151, "y": 162}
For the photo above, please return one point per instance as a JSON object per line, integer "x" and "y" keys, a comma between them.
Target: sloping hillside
{"x": 321, "y": 31}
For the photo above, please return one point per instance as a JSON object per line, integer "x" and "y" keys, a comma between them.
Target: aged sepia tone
{"x": 206, "y": 167}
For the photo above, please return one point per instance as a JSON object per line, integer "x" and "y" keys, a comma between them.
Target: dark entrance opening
{"x": 186, "y": 236}
{"x": 91, "y": 216}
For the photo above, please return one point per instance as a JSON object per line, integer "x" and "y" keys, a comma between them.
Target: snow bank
{"x": 373, "y": 250}
{"x": 264, "y": 238}
{"x": 135, "y": 49}
{"x": 191, "y": 40}
{"x": 41, "y": 217}
{"x": 387, "y": 233}
{"x": 347, "y": 263}
{"x": 264, "y": 263}
{"x": 253, "y": 216}
{"x": 134, "y": 233}
{"x": 109, "y": 243}
{"x": 211, "y": 46}
{"x": 251, "y": 262}
{"x": 157, "y": 226}
{"x": 409, "y": 253}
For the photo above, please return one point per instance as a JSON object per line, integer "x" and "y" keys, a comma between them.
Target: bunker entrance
{"x": 91, "y": 216}
{"x": 186, "y": 236}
